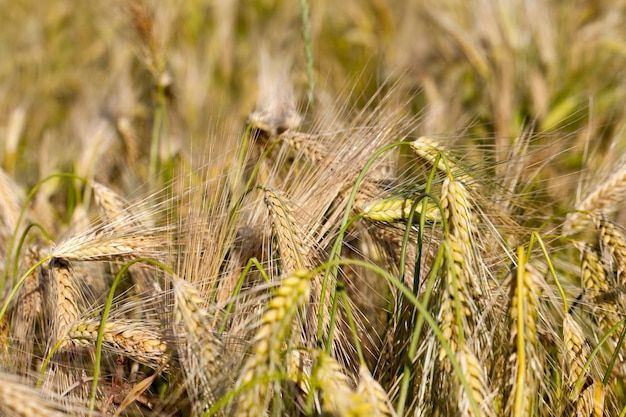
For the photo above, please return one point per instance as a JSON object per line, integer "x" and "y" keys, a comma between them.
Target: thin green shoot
{"x": 535, "y": 237}
{"x": 251, "y": 262}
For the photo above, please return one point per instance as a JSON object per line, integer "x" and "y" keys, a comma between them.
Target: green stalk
{"x": 21, "y": 243}
{"x": 242, "y": 277}
{"x": 415, "y": 336}
{"x": 156, "y": 134}
{"x": 308, "y": 55}
{"x": 535, "y": 236}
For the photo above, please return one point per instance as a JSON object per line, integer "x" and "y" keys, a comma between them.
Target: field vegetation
{"x": 292, "y": 208}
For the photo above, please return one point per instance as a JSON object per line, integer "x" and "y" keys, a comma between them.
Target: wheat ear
{"x": 269, "y": 340}
{"x": 17, "y": 399}
{"x": 136, "y": 339}
{"x": 112, "y": 207}
{"x": 523, "y": 365}
{"x": 117, "y": 216}
{"x": 295, "y": 251}
{"x": 338, "y": 397}
{"x": 429, "y": 149}
{"x": 28, "y": 308}
{"x": 397, "y": 209}
{"x": 10, "y": 205}
{"x": 607, "y": 196}
{"x": 597, "y": 290}
{"x": 105, "y": 245}
{"x": 373, "y": 395}
{"x": 613, "y": 240}
{"x": 457, "y": 308}
{"x": 576, "y": 349}
{"x": 455, "y": 315}
{"x": 306, "y": 145}
{"x": 590, "y": 402}
{"x": 476, "y": 375}
{"x": 203, "y": 350}
{"x": 62, "y": 304}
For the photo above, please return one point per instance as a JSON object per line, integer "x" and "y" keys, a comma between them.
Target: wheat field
{"x": 273, "y": 208}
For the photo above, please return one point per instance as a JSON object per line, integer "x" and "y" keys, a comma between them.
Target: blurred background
{"x": 124, "y": 91}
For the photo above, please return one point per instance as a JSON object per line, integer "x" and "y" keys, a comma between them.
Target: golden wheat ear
{"x": 137, "y": 339}
{"x": 336, "y": 388}
{"x": 524, "y": 368}
{"x": 203, "y": 355}
{"x": 577, "y": 350}
{"x": 476, "y": 374}
{"x": 599, "y": 294}
{"x": 374, "y": 395}
{"x": 63, "y": 300}
{"x": 27, "y": 311}
{"x": 591, "y": 402}
{"x": 458, "y": 307}
{"x": 295, "y": 246}
{"x": 20, "y": 400}
{"x": 613, "y": 241}
{"x": 607, "y": 196}
{"x": 603, "y": 200}
{"x": 117, "y": 215}
{"x": 261, "y": 370}
{"x": 11, "y": 203}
